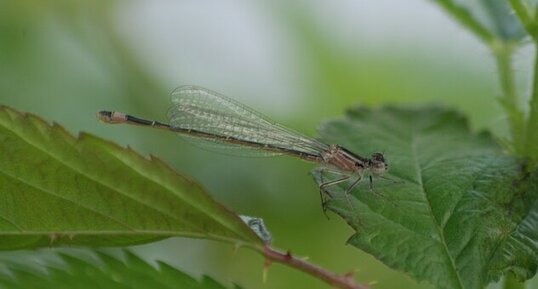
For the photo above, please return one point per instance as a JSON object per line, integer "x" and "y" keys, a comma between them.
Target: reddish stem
{"x": 339, "y": 281}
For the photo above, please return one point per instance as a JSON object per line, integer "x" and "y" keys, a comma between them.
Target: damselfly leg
{"x": 324, "y": 184}
{"x": 380, "y": 194}
{"x": 348, "y": 191}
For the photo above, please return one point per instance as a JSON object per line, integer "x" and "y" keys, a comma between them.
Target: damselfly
{"x": 201, "y": 113}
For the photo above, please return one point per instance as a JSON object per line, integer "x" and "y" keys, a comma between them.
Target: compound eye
{"x": 378, "y": 157}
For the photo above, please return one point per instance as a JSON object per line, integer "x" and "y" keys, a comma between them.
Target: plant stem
{"x": 530, "y": 23}
{"x": 509, "y": 100}
{"x": 532, "y": 124}
{"x": 511, "y": 283}
{"x": 506, "y": 76}
{"x": 338, "y": 281}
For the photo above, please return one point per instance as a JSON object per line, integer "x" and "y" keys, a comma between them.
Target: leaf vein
{"x": 217, "y": 220}
{"x": 65, "y": 199}
{"x": 417, "y": 165}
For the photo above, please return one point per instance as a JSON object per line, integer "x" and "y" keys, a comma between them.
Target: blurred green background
{"x": 299, "y": 62}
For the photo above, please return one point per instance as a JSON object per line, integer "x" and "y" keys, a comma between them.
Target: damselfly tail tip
{"x": 103, "y": 115}
{"x": 111, "y": 116}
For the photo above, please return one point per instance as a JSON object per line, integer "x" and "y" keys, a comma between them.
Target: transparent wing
{"x": 224, "y": 148}
{"x": 223, "y": 119}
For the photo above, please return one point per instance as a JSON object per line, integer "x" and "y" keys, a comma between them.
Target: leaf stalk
{"x": 523, "y": 14}
{"x": 467, "y": 20}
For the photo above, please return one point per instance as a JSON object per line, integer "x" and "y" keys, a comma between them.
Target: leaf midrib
{"x": 440, "y": 232}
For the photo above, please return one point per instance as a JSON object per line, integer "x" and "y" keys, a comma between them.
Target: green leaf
{"x": 100, "y": 271}
{"x": 57, "y": 189}
{"x": 458, "y": 213}
{"x": 487, "y": 19}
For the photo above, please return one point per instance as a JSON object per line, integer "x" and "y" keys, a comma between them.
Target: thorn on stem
{"x": 52, "y": 238}
{"x": 236, "y": 248}
{"x": 266, "y": 264}
{"x": 350, "y": 274}
{"x": 288, "y": 255}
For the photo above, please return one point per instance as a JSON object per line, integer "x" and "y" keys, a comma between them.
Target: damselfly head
{"x": 378, "y": 163}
